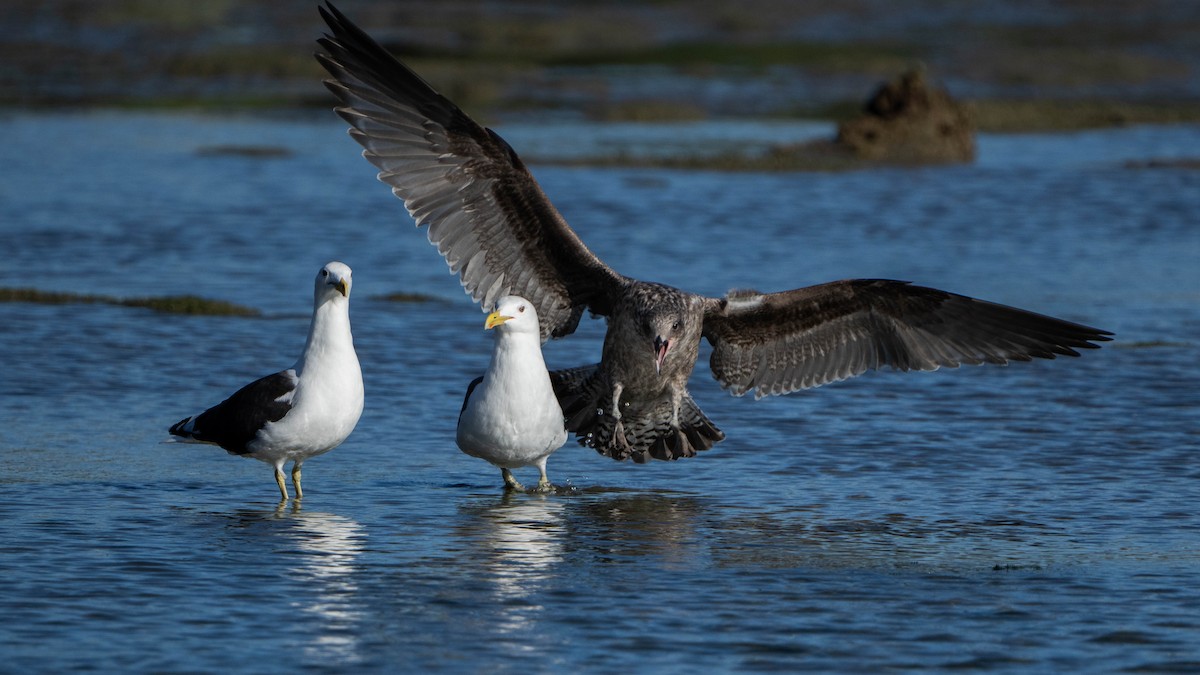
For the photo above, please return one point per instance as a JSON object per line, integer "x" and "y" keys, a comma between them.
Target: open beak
{"x": 342, "y": 288}
{"x": 660, "y": 352}
{"x": 494, "y": 319}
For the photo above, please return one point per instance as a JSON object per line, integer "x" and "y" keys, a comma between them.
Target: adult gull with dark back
{"x": 301, "y": 412}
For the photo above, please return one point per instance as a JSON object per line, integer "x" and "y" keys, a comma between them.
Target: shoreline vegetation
{"x": 170, "y": 304}
{"x": 992, "y": 115}
{"x": 1020, "y": 68}
{"x": 1012, "y": 68}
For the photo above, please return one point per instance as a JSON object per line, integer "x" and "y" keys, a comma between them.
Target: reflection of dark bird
{"x": 498, "y": 231}
{"x": 301, "y": 412}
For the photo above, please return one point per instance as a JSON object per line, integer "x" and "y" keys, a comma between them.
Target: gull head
{"x": 513, "y": 314}
{"x": 333, "y": 281}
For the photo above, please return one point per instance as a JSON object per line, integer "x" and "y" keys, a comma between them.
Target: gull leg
{"x": 510, "y": 483}
{"x": 616, "y": 400}
{"x": 619, "y": 427}
{"x": 676, "y": 398}
{"x": 280, "y": 482}
{"x": 544, "y": 484}
{"x": 678, "y": 443}
{"x": 296, "y": 480}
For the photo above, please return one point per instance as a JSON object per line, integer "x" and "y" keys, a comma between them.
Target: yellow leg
{"x": 296, "y": 480}
{"x": 544, "y": 484}
{"x": 280, "y": 482}
{"x": 510, "y": 483}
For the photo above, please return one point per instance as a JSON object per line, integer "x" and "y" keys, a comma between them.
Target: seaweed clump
{"x": 171, "y": 304}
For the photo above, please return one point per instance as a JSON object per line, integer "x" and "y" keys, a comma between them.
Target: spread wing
{"x": 775, "y": 343}
{"x": 485, "y": 212}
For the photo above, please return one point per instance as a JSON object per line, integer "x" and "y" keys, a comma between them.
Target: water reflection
{"x": 631, "y": 526}
{"x": 323, "y": 550}
{"x": 522, "y": 540}
{"x": 888, "y": 521}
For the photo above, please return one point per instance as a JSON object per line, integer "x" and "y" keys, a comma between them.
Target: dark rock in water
{"x": 910, "y": 120}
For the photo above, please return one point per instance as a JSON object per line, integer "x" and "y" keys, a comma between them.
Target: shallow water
{"x": 1040, "y": 517}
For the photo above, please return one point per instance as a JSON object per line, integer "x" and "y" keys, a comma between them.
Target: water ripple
{"x": 1037, "y": 517}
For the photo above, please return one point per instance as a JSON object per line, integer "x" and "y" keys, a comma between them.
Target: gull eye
{"x": 324, "y": 273}
{"x": 521, "y": 308}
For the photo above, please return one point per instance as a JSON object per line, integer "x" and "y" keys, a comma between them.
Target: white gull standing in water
{"x": 510, "y": 416}
{"x": 301, "y": 412}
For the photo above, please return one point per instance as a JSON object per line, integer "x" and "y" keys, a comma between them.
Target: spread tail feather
{"x": 644, "y": 430}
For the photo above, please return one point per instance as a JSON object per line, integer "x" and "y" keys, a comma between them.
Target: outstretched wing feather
{"x": 776, "y": 343}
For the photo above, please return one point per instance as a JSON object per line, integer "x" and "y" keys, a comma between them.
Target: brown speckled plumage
{"x": 499, "y": 232}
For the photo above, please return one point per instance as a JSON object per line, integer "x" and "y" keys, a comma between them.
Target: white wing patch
{"x": 286, "y": 397}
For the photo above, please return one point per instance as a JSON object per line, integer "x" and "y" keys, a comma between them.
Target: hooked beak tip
{"x": 660, "y": 353}
{"x": 494, "y": 319}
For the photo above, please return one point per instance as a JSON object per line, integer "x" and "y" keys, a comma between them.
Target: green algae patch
{"x": 190, "y": 304}
{"x": 1051, "y": 115}
{"x": 825, "y": 56}
{"x": 44, "y": 297}
{"x": 402, "y": 296}
{"x": 250, "y": 151}
{"x": 171, "y": 304}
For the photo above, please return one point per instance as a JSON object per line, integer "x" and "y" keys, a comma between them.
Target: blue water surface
{"x": 1035, "y": 518}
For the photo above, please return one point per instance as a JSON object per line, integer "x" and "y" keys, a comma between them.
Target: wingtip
{"x": 1091, "y": 337}
{"x": 330, "y": 13}
{"x": 180, "y": 428}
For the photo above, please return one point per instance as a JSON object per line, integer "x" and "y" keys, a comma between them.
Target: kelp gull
{"x": 301, "y": 412}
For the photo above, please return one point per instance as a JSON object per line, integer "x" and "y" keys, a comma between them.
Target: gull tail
{"x": 644, "y": 430}
{"x": 184, "y": 431}
{"x": 184, "y": 427}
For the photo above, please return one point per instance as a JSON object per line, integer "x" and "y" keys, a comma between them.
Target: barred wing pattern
{"x": 777, "y": 343}
{"x": 485, "y": 212}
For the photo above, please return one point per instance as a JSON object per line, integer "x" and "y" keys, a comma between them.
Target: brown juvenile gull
{"x": 301, "y": 412}
{"x": 499, "y": 232}
{"x": 510, "y": 416}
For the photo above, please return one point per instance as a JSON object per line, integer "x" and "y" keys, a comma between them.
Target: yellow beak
{"x": 342, "y": 288}
{"x": 494, "y": 319}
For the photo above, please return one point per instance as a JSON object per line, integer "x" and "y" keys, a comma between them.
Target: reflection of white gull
{"x": 525, "y": 540}
{"x": 329, "y": 545}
